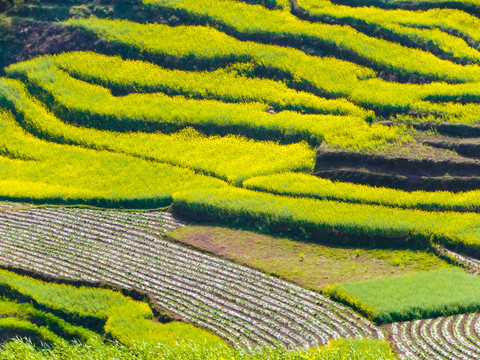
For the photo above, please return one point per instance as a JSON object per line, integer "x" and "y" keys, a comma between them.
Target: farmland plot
{"x": 247, "y": 113}
{"x": 243, "y": 306}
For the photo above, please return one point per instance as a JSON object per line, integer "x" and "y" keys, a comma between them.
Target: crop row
{"x": 466, "y": 260}
{"x": 327, "y": 75}
{"x": 405, "y": 26}
{"x": 12, "y": 307}
{"x": 416, "y": 4}
{"x": 367, "y": 224}
{"x": 28, "y": 329}
{"x": 241, "y": 305}
{"x": 304, "y": 185}
{"x": 332, "y": 75}
{"x": 225, "y": 84}
{"x": 62, "y": 173}
{"x": 101, "y": 310}
{"x": 257, "y": 21}
{"x": 340, "y": 349}
{"x": 231, "y": 157}
{"x": 94, "y": 106}
{"x": 5, "y": 205}
{"x": 449, "y": 20}
{"x": 454, "y": 337}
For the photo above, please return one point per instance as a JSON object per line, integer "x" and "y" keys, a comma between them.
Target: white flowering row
{"x": 257, "y": 278}
{"x": 242, "y": 305}
{"x": 453, "y": 337}
{"x": 103, "y": 273}
{"x": 97, "y": 259}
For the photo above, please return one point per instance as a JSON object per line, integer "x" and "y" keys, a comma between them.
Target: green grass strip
{"x": 414, "y": 296}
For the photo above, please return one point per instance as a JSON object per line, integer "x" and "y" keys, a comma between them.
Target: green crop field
{"x": 239, "y": 179}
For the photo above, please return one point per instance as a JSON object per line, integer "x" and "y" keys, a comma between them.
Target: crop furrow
{"x": 453, "y": 337}
{"x": 210, "y": 292}
{"x": 213, "y": 269}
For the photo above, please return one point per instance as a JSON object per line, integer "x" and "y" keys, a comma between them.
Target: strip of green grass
{"x": 413, "y": 296}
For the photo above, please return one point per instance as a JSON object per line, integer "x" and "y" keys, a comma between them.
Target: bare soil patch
{"x": 308, "y": 264}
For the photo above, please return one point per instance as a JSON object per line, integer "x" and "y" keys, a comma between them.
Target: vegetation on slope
{"x": 364, "y": 349}
{"x": 231, "y": 158}
{"x": 107, "y": 312}
{"x": 83, "y": 128}
{"x": 307, "y": 264}
{"x": 412, "y": 296}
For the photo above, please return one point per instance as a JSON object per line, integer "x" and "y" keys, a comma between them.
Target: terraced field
{"x": 351, "y": 124}
{"x": 241, "y": 305}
